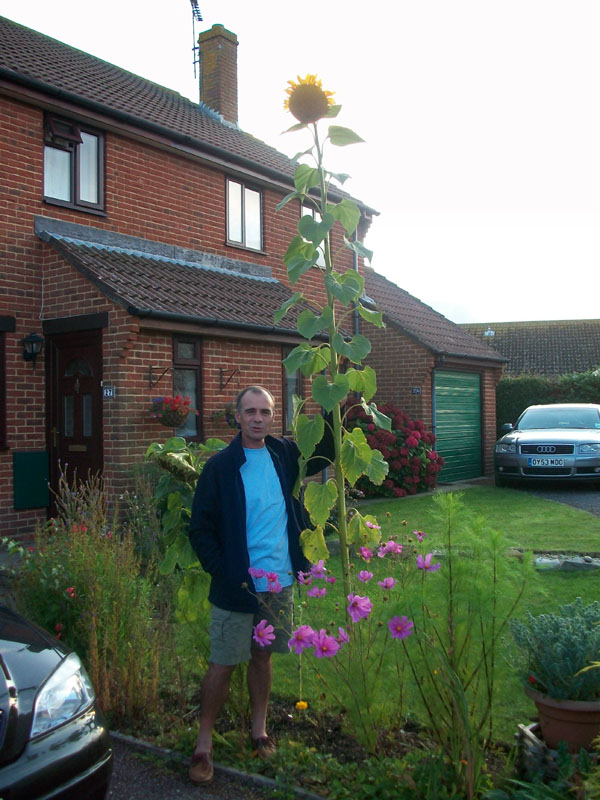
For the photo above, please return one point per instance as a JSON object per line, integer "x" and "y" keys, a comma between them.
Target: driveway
{"x": 586, "y": 498}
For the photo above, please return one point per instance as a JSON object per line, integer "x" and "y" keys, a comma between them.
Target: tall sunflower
{"x": 307, "y": 100}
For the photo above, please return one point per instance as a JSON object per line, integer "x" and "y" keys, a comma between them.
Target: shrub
{"x": 408, "y": 449}
{"x": 82, "y": 582}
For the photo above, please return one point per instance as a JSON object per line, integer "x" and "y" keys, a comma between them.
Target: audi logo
{"x": 547, "y": 448}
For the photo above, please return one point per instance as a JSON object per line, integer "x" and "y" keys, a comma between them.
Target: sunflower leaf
{"x": 282, "y": 311}
{"x": 343, "y": 136}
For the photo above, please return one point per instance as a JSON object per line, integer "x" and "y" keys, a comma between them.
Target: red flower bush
{"x": 408, "y": 449}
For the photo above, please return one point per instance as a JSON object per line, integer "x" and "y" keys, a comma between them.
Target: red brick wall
{"x": 402, "y": 364}
{"x": 153, "y": 194}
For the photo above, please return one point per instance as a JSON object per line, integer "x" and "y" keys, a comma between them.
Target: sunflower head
{"x": 307, "y": 100}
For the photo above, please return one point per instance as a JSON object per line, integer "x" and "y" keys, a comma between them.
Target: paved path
{"x": 137, "y": 777}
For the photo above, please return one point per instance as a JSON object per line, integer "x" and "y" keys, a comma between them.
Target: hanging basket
{"x": 172, "y": 419}
{"x": 172, "y": 412}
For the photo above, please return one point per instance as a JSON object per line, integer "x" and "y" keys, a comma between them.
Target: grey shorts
{"x": 231, "y": 631}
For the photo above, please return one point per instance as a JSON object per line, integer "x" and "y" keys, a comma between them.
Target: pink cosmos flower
{"x": 256, "y": 572}
{"x": 305, "y": 578}
{"x": 390, "y": 547}
{"x": 318, "y": 570}
{"x": 366, "y": 553}
{"x": 343, "y": 637}
{"x": 71, "y": 592}
{"x": 263, "y": 633}
{"x": 274, "y": 587}
{"x": 316, "y": 591}
{"x": 425, "y": 563}
{"x": 326, "y": 645}
{"x": 372, "y": 525}
{"x": 359, "y": 608}
{"x": 420, "y": 535}
{"x": 387, "y": 583}
{"x": 272, "y": 577}
{"x": 331, "y": 579}
{"x": 302, "y": 638}
{"x": 400, "y": 627}
{"x": 364, "y": 575}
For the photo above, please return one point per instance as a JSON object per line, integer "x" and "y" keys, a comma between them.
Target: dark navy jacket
{"x": 218, "y": 524}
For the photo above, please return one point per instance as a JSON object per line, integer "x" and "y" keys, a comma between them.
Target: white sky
{"x": 481, "y": 120}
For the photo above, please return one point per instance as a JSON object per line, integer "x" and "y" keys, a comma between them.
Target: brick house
{"x": 141, "y": 247}
{"x": 437, "y": 372}
{"x": 140, "y": 244}
{"x": 549, "y": 348}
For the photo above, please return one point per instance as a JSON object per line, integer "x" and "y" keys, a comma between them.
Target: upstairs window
{"x": 316, "y": 215}
{"x": 73, "y": 165}
{"x": 244, "y": 215}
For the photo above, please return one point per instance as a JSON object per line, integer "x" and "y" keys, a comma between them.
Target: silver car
{"x": 554, "y": 442}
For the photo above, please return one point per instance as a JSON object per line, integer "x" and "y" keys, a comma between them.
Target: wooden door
{"x": 75, "y": 405}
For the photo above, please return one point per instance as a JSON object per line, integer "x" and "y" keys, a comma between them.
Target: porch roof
{"x": 184, "y": 286}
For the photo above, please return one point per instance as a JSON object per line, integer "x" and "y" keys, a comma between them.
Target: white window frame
{"x": 240, "y": 230}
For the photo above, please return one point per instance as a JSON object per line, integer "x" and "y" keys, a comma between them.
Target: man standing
{"x": 245, "y": 517}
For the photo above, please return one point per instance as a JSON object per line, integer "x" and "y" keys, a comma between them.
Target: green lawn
{"x": 528, "y": 523}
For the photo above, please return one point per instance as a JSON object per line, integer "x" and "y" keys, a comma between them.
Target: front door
{"x": 75, "y": 405}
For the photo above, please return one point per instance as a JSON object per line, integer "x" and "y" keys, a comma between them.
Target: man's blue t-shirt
{"x": 266, "y": 518}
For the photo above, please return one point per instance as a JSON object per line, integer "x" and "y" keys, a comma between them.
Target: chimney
{"x": 218, "y": 71}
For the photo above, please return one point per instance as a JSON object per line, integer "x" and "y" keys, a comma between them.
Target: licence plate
{"x": 546, "y": 462}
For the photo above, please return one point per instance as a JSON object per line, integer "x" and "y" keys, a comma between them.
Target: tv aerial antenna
{"x": 196, "y": 17}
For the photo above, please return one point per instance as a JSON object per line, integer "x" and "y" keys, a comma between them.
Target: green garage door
{"x": 457, "y": 416}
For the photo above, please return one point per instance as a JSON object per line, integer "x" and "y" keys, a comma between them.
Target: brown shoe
{"x": 201, "y": 768}
{"x": 264, "y": 747}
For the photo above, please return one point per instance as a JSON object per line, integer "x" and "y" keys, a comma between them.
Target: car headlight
{"x": 506, "y": 447}
{"x": 590, "y": 449}
{"x": 66, "y": 693}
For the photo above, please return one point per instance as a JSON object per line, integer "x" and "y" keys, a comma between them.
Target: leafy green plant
{"x": 557, "y": 648}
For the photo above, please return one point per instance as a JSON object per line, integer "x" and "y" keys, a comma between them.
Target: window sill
{"x": 239, "y": 246}
{"x": 98, "y": 212}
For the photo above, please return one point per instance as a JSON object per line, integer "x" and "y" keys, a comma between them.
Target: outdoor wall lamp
{"x": 32, "y": 347}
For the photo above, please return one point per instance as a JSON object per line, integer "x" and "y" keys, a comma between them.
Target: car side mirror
{"x": 506, "y": 428}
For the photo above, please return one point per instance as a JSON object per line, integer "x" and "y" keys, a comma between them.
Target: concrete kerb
{"x": 174, "y": 757}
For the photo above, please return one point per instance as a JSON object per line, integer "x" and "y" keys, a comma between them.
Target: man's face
{"x": 255, "y": 418}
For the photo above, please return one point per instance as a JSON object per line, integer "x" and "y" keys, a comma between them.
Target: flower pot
{"x": 576, "y": 722}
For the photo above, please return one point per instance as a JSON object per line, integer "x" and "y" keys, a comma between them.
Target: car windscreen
{"x": 559, "y": 418}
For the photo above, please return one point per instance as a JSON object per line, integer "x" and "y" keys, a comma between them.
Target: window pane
{"x": 79, "y": 366}
{"x": 88, "y": 168}
{"x": 234, "y": 211}
{"x": 252, "y": 219}
{"x": 185, "y": 350}
{"x": 291, "y": 388}
{"x": 184, "y": 383}
{"x": 57, "y": 174}
{"x": 68, "y": 410}
{"x": 87, "y": 414}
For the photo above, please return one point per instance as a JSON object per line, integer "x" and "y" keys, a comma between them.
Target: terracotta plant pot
{"x": 576, "y": 722}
